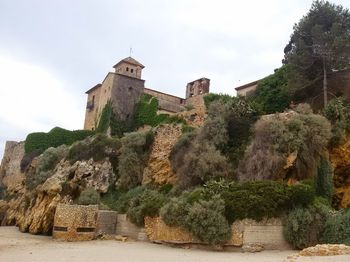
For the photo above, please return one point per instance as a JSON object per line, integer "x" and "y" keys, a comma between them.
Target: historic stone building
{"x": 123, "y": 88}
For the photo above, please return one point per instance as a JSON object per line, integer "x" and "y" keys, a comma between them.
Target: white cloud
{"x": 33, "y": 99}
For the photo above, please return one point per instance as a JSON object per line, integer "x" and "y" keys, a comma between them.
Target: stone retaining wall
{"x": 75, "y": 222}
{"x": 106, "y": 222}
{"x": 267, "y": 233}
{"x": 126, "y": 228}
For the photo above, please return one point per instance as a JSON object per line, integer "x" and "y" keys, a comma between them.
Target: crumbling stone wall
{"x": 10, "y": 171}
{"x": 267, "y": 233}
{"x": 167, "y": 103}
{"x": 106, "y": 222}
{"x": 126, "y": 228}
{"x": 75, "y": 222}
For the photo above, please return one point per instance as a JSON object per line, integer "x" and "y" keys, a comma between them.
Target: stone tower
{"x": 197, "y": 87}
{"x": 123, "y": 88}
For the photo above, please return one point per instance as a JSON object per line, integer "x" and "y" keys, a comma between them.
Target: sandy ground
{"x": 16, "y": 246}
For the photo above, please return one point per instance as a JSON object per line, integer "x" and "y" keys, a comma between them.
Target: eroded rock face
{"x": 158, "y": 168}
{"x": 326, "y": 250}
{"x": 98, "y": 175}
{"x": 33, "y": 211}
{"x": 10, "y": 171}
{"x": 340, "y": 158}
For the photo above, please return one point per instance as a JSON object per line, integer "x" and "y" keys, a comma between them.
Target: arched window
{"x": 127, "y": 69}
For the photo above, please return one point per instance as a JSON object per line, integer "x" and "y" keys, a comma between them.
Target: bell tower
{"x": 129, "y": 67}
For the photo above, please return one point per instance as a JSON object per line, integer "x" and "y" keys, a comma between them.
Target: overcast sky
{"x": 52, "y": 51}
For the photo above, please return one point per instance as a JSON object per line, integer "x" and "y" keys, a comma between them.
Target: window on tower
{"x": 127, "y": 69}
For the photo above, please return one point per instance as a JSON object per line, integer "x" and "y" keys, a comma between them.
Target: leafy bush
{"x": 337, "y": 228}
{"x": 89, "y": 196}
{"x": 324, "y": 179}
{"x": 211, "y": 97}
{"x": 98, "y": 148}
{"x": 28, "y": 158}
{"x": 205, "y": 220}
{"x": 304, "y": 226}
{"x": 337, "y": 112}
{"x": 57, "y": 136}
{"x": 201, "y": 164}
{"x": 46, "y": 163}
{"x": 146, "y": 113}
{"x": 133, "y": 158}
{"x": 122, "y": 204}
{"x": 109, "y": 120}
{"x": 174, "y": 211}
{"x": 145, "y": 204}
{"x": 271, "y": 94}
{"x": 279, "y": 136}
{"x": 260, "y": 199}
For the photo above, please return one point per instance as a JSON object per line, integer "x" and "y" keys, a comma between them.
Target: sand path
{"x": 16, "y": 246}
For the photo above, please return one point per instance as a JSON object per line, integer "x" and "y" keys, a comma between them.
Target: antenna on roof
{"x": 130, "y": 51}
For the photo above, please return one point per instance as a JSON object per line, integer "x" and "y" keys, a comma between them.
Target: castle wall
{"x": 91, "y": 112}
{"x": 167, "y": 103}
{"x": 125, "y": 94}
{"x": 247, "y": 90}
{"x": 10, "y": 170}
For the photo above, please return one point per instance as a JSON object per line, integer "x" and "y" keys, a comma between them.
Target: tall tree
{"x": 320, "y": 44}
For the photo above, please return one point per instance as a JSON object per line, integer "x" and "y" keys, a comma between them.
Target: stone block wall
{"x": 267, "y": 233}
{"x": 106, "y": 222}
{"x": 75, "y": 222}
{"x": 126, "y": 228}
{"x": 167, "y": 103}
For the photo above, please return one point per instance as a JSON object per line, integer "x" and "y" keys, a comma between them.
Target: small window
{"x": 130, "y": 88}
{"x": 62, "y": 229}
{"x": 132, "y": 70}
{"x": 127, "y": 69}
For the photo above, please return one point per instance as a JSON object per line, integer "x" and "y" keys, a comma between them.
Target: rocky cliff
{"x": 340, "y": 158}
{"x": 158, "y": 169}
{"x": 33, "y": 210}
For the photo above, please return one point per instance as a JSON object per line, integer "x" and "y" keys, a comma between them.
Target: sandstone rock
{"x": 98, "y": 175}
{"x": 253, "y": 248}
{"x": 158, "y": 168}
{"x": 326, "y": 250}
{"x": 10, "y": 171}
{"x": 340, "y": 158}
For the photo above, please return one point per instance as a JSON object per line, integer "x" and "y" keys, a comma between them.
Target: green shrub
{"x": 28, "y": 158}
{"x": 211, "y": 97}
{"x": 337, "y": 228}
{"x": 146, "y": 113}
{"x": 271, "y": 94}
{"x": 89, "y": 196}
{"x": 205, "y": 221}
{"x": 145, "y": 204}
{"x": 133, "y": 158}
{"x": 40, "y": 141}
{"x": 260, "y": 199}
{"x": 304, "y": 226}
{"x": 279, "y": 136}
{"x": 122, "y": 204}
{"x": 97, "y": 148}
{"x": 324, "y": 179}
{"x": 174, "y": 212}
{"x": 45, "y": 165}
{"x": 337, "y": 112}
{"x": 200, "y": 164}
